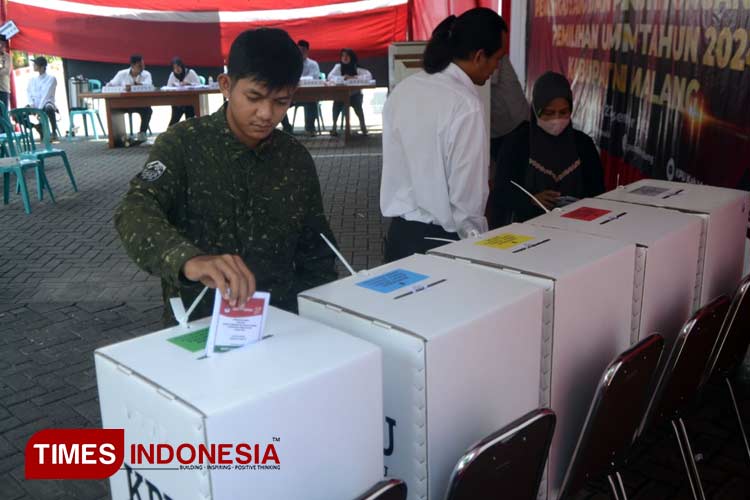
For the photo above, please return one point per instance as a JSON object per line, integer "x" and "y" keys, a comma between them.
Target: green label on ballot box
{"x": 192, "y": 341}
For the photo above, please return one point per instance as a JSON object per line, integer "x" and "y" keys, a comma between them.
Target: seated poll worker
{"x": 41, "y": 95}
{"x": 136, "y": 74}
{"x": 310, "y": 69}
{"x": 348, "y": 69}
{"x": 436, "y": 157}
{"x": 553, "y": 161}
{"x": 181, "y": 77}
{"x": 226, "y": 200}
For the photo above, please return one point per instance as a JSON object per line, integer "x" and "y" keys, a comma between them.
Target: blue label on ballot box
{"x": 392, "y": 280}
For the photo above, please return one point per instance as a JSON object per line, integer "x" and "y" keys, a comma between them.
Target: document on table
{"x": 235, "y": 327}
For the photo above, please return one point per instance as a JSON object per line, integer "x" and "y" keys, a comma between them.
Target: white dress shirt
{"x": 509, "y": 107}
{"x": 41, "y": 90}
{"x": 123, "y": 77}
{"x": 191, "y": 78}
{"x": 362, "y": 73}
{"x": 310, "y": 68}
{"x": 436, "y": 152}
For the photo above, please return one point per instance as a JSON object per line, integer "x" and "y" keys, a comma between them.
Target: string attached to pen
{"x": 546, "y": 210}
{"x": 338, "y": 254}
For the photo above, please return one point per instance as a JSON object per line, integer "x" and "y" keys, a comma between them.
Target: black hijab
{"x": 553, "y": 160}
{"x": 351, "y": 68}
{"x": 177, "y": 61}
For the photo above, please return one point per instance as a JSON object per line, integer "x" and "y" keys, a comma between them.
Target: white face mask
{"x": 554, "y": 127}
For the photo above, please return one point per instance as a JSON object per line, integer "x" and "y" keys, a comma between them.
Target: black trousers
{"x": 145, "y": 114}
{"x": 178, "y": 111}
{"x": 50, "y": 109}
{"x": 407, "y": 237}
{"x": 356, "y": 102}
{"x": 311, "y": 114}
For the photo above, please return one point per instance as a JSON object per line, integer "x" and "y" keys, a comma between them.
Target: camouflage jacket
{"x": 203, "y": 192}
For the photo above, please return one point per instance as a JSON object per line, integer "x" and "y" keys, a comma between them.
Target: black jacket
{"x": 512, "y": 162}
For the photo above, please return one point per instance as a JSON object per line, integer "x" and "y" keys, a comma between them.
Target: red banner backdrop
{"x": 426, "y": 14}
{"x": 662, "y": 85}
{"x": 201, "y": 31}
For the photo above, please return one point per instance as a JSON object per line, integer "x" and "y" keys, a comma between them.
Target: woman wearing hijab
{"x": 179, "y": 77}
{"x": 349, "y": 69}
{"x": 547, "y": 156}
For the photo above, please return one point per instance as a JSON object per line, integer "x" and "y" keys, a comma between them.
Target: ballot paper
{"x": 235, "y": 327}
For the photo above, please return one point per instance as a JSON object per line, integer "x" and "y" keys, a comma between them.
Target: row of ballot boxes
{"x": 399, "y": 369}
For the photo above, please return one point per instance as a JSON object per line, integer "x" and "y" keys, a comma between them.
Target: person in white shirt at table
{"x": 310, "y": 69}
{"x": 136, "y": 74}
{"x": 181, "y": 77}
{"x": 435, "y": 146}
{"x": 349, "y": 69}
{"x": 41, "y": 93}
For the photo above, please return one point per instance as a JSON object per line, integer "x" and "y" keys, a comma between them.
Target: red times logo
{"x": 100, "y": 453}
{"x": 74, "y": 453}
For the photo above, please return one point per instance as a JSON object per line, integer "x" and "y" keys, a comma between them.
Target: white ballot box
{"x": 590, "y": 317}
{"x": 724, "y": 215}
{"x": 296, "y": 415}
{"x": 666, "y": 257}
{"x": 461, "y": 356}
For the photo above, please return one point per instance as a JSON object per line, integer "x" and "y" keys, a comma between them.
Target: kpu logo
{"x": 74, "y": 453}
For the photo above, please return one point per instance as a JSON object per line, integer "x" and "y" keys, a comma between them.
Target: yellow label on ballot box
{"x": 505, "y": 241}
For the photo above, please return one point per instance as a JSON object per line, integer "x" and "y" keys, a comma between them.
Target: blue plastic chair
{"x": 94, "y": 86}
{"x": 28, "y": 149}
{"x": 11, "y": 163}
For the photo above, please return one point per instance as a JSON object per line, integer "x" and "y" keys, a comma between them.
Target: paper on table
{"x": 234, "y": 327}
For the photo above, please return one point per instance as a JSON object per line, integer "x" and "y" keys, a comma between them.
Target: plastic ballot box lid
{"x": 422, "y": 295}
{"x": 724, "y": 214}
{"x": 539, "y": 251}
{"x": 462, "y": 356}
{"x": 696, "y": 198}
{"x": 311, "y": 392}
{"x": 593, "y": 282}
{"x": 642, "y": 225}
{"x": 667, "y": 257}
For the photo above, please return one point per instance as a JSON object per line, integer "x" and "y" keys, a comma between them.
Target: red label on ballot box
{"x": 586, "y": 213}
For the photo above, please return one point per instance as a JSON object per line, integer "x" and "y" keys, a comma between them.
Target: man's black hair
{"x": 135, "y": 59}
{"x": 304, "y": 43}
{"x": 41, "y": 61}
{"x": 266, "y": 55}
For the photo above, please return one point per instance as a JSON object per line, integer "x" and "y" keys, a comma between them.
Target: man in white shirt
{"x": 41, "y": 93}
{"x": 435, "y": 145}
{"x": 310, "y": 69}
{"x": 136, "y": 74}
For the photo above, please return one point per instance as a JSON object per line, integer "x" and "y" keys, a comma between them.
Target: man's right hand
{"x": 226, "y": 272}
{"x": 547, "y": 198}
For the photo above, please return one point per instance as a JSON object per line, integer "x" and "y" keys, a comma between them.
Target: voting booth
{"x": 588, "y": 319}
{"x": 666, "y": 257}
{"x": 723, "y": 213}
{"x": 309, "y": 396}
{"x": 461, "y": 356}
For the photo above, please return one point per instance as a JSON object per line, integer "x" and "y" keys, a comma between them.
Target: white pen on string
{"x": 195, "y": 302}
{"x": 338, "y": 254}
{"x": 439, "y": 239}
{"x": 546, "y": 210}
